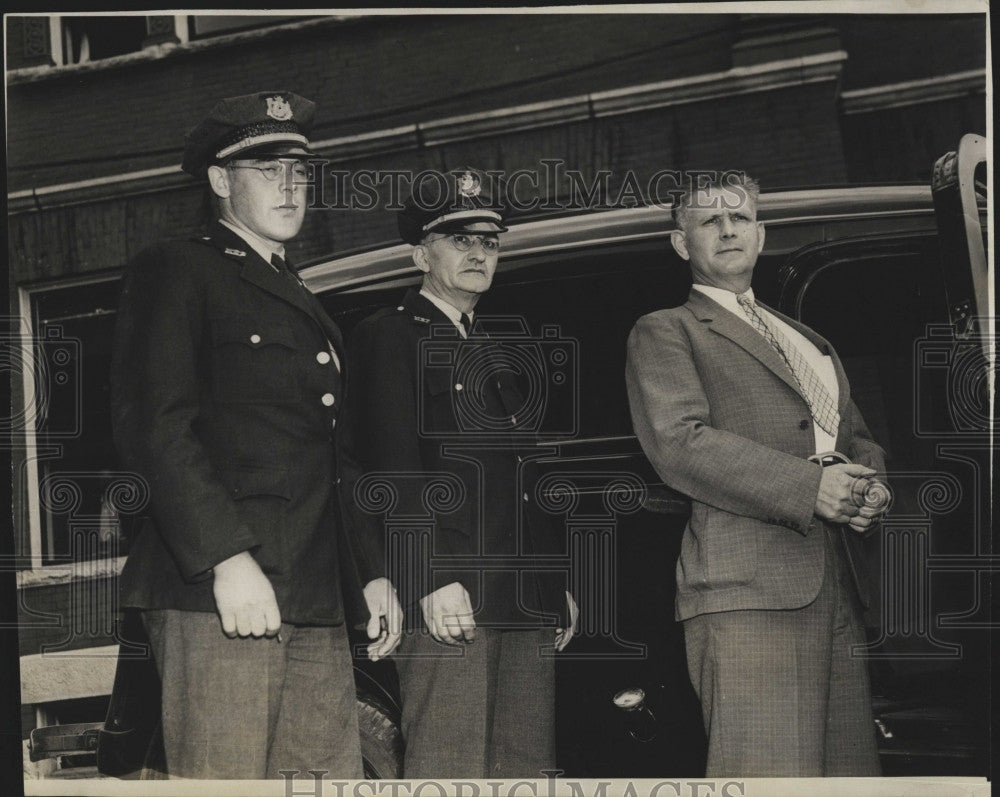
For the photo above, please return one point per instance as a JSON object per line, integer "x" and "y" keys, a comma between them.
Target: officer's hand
{"x": 564, "y": 635}
{"x": 448, "y": 614}
{"x": 244, "y": 598}
{"x": 866, "y": 518}
{"x": 835, "y": 501}
{"x": 385, "y": 621}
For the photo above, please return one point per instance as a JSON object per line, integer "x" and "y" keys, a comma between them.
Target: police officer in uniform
{"x": 475, "y": 666}
{"x": 227, "y": 381}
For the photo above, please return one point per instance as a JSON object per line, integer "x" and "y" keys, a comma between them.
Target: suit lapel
{"x": 724, "y": 323}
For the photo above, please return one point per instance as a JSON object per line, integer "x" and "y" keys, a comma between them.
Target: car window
{"x": 873, "y": 310}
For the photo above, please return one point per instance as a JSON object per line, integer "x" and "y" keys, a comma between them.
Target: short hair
{"x": 733, "y": 181}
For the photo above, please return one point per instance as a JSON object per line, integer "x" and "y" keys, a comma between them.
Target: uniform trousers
{"x": 485, "y": 709}
{"x": 247, "y": 708}
{"x": 782, "y": 695}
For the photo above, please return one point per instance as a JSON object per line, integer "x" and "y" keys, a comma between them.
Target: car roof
{"x": 792, "y": 219}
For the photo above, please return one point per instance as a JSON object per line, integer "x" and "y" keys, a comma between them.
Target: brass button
{"x": 255, "y": 338}
{"x": 328, "y": 399}
{"x": 323, "y": 357}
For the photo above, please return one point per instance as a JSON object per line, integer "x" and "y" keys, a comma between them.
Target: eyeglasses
{"x": 464, "y": 243}
{"x": 272, "y": 170}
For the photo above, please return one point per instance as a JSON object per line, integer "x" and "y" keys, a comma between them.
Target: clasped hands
{"x": 836, "y": 501}
{"x": 448, "y": 616}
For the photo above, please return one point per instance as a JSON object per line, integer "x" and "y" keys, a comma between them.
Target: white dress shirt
{"x": 821, "y": 363}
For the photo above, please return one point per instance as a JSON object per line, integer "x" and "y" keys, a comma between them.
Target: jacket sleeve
{"x": 157, "y": 377}
{"x": 864, "y": 449}
{"x": 672, "y": 419}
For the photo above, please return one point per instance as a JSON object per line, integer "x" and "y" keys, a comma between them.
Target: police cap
{"x": 451, "y": 203}
{"x": 251, "y": 125}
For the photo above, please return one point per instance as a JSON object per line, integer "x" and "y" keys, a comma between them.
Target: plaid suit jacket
{"x": 721, "y": 418}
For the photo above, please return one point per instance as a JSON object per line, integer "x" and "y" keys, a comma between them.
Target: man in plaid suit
{"x": 729, "y": 399}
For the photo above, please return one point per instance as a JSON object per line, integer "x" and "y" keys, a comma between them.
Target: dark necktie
{"x": 466, "y": 323}
{"x": 821, "y": 404}
{"x": 282, "y": 268}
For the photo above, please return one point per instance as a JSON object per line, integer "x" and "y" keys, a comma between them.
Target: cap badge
{"x": 278, "y": 108}
{"x": 468, "y": 185}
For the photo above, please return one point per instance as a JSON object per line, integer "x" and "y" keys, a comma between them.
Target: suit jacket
{"x": 403, "y": 427}
{"x": 721, "y": 418}
{"x": 224, "y": 399}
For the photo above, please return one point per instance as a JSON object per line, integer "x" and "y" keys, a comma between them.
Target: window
{"x": 73, "y": 505}
{"x": 91, "y": 38}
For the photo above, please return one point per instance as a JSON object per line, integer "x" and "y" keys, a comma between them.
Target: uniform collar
{"x": 453, "y": 313}
{"x": 262, "y": 247}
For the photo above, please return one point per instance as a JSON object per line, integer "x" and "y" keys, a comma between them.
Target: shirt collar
{"x": 453, "y": 313}
{"x": 724, "y": 297}
{"x": 262, "y": 247}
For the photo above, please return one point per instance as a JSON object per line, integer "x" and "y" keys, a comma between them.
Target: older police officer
{"x": 227, "y": 379}
{"x": 475, "y": 668}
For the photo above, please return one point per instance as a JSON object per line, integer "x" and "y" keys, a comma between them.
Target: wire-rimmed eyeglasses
{"x": 273, "y": 170}
{"x": 464, "y": 242}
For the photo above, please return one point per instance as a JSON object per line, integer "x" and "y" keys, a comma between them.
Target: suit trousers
{"x": 484, "y": 709}
{"x": 248, "y": 708}
{"x": 782, "y": 694}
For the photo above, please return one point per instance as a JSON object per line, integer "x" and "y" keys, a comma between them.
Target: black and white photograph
{"x": 563, "y": 401}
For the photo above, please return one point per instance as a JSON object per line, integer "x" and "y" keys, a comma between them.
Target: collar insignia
{"x": 421, "y": 319}
{"x": 237, "y": 252}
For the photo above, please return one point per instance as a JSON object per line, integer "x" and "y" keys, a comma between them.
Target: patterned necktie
{"x": 821, "y": 403}
{"x": 466, "y": 323}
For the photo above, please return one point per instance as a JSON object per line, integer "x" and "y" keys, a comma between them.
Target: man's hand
{"x": 564, "y": 635}
{"x": 834, "y": 502}
{"x": 385, "y": 621}
{"x": 448, "y": 614}
{"x": 867, "y": 517}
{"x": 244, "y": 598}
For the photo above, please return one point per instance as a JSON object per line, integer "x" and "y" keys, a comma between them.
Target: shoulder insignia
{"x": 421, "y": 319}
{"x": 206, "y": 238}
{"x": 237, "y": 252}
{"x": 399, "y": 309}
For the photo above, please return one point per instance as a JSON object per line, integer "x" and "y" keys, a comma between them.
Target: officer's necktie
{"x": 821, "y": 403}
{"x": 466, "y": 323}
{"x": 282, "y": 268}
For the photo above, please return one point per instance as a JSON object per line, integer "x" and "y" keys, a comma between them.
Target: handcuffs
{"x": 865, "y": 491}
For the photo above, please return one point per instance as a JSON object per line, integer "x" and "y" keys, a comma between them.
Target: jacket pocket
{"x": 252, "y": 360}
{"x": 262, "y": 496}
{"x": 729, "y": 545}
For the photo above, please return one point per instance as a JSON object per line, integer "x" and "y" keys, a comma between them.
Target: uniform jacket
{"x": 224, "y": 399}
{"x": 721, "y": 418}
{"x": 401, "y": 427}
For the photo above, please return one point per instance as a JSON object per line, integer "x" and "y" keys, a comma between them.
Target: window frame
{"x": 37, "y": 572}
